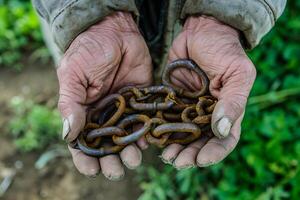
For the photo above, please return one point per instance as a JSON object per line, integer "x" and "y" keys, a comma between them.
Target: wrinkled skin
{"x": 216, "y": 48}
{"x": 106, "y": 57}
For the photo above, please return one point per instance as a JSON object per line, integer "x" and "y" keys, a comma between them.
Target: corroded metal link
{"x": 178, "y": 128}
{"x": 134, "y": 136}
{"x": 160, "y": 89}
{"x": 107, "y": 131}
{"x": 107, "y": 101}
{"x": 206, "y": 103}
{"x": 150, "y": 106}
{"x": 94, "y": 137}
{"x": 154, "y": 106}
{"x": 172, "y": 116}
{"x": 210, "y": 108}
{"x": 159, "y": 114}
{"x": 202, "y": 120}
{"x": 188, "y": 112}
{"x": 96, "y": 152}
{"x": 169, "y": 114}
{"x": 133, "y": 90}
{"x": 91, "y": 126}
{"x": 107, "y": 113}
{"x": 161, "y": 141}
{"x": 87, "y": 128}
{"x": 188, "y": 64}
{"x": 180, "y": 107}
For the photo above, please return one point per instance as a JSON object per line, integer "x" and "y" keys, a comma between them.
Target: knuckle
{"x": 243, "y": 72}
{"x": 238, "y": 104}
{"x": 246, "y": 67}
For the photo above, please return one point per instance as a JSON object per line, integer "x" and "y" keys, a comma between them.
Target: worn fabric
{"x": 254, "y": 18}
{"x": 159, "y": 21}
{"x": 68, "y": 18}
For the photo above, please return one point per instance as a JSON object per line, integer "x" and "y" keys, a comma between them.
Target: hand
{"x": 107, "y": 56}
{"x": 216, "y": 48}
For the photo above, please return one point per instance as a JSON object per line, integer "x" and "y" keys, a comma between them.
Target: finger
{"x": 112, "y": 167}
{"x": 142, "y": 143}
{"x": 86, "y": 165}
{"x": 73, "y": 123}
{"x": 72, "y": 95}
{"x": 232, "y": 98}
{"x": 170, "y": 153}
{"x": 131, "y": 156}
{"x": 217, "y": 149}
{"x": 187, "y": 157}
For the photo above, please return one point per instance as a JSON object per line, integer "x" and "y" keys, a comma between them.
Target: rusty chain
{"x": 169, "y": 114}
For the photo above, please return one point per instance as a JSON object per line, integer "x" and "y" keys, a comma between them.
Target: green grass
{"x": 34, "y": 126}
{"x": 19, "y": 33}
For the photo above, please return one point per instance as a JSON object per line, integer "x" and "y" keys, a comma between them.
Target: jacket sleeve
{"x": 68, "y": 18}
{"x": 254, "y": 18}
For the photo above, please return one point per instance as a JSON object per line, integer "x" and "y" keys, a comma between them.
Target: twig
{"x": 273, "y": 97}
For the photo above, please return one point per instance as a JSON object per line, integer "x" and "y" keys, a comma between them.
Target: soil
{"x": 59, "y": 180}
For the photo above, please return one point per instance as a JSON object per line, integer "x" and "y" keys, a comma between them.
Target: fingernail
{"x": 128, "y": 161}
{"x": 205, "y": 163}
{"x": 66, "y": 127}
{"x": 184, "y": 167}
{"x": 224, "y": 126}
{"x": 115, "y": 178}
{"x": 169, "y": 161}
{"x": 92, "y": 173}
{"x": 130, "y": 166}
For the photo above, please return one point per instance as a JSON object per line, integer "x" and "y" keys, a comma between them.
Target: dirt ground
{"x": 59, "y": 180}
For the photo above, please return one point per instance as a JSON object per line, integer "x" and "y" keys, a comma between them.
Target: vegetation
{"x": 265, "y": 165}
{"x": 34, "y": 126}
{"x": 19, "y": 33}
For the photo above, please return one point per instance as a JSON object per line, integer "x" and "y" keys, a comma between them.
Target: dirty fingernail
{"x": 115, "y": 177}
{"x": 205, "y": 163}
{"x": 223, "y": 127}
{"x": 184, "y": 166}
{"x": 168, "y": 161}
{"x": 66, "y": 127}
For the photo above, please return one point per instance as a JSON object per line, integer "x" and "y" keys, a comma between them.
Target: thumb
{"x": 235, "y": 84}
{"x": 73, "y": 121}
{"x": 72, "y": 95}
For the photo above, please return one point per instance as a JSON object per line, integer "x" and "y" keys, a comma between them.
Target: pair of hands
{"x": 112, "y": 54}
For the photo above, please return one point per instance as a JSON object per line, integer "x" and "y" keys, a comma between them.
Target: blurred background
{"x": 35, "y": 164}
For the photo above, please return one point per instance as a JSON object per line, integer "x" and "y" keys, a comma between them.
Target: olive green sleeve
{"x": 68, "y": 18}
{"x": 254, "y": 18}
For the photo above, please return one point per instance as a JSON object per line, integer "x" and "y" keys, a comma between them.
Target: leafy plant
{"x": 19, "y": 32}
{"x": 34, "y": 126}
{"x": 265, "y": 165}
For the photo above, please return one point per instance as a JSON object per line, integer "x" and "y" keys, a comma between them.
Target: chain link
{"x": 169, "y": 114}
